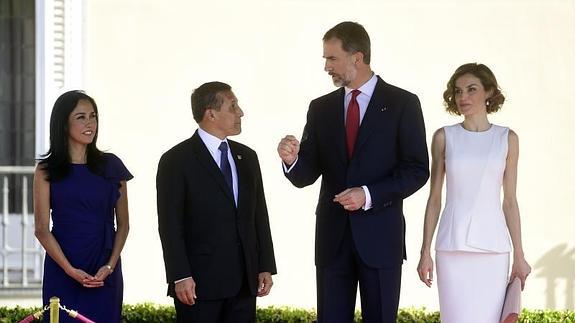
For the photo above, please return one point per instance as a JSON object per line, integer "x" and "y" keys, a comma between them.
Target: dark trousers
{"x": 238, "y": 309}
{"x": 337, "y": 287}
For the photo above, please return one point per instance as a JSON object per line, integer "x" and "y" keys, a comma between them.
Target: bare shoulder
{"x": 439, "y": 136}
{"x": 438, "y": 143}
{"x": 41, "y": 177}
{"x": 40, "y": 171}
{"x": 513, "y": 138}
{"x": 513, "y": 134}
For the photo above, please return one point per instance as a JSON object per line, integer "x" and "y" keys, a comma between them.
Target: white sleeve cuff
{"x": 181, "y": 280}
{"x": 286, "y": 169}
{"x": 367, "y": 205}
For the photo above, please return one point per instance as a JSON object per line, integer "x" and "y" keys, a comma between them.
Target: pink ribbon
{"x": 28, "y": 319}
{"x": 79, "y": 317}
{"x": 82, "y": 318}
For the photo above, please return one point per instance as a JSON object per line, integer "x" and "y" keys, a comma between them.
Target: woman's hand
{"x": 103, "y": 273}
{"x": 425, "y": 269}
{"x": 521, "y": 270}
{"x": 83, "y": 278}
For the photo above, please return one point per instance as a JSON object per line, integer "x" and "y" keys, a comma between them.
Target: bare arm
{"x": 433, "y": 208}
{"x": 122, "y": 228}
{"x": 43, "y": 234}
{"x": 520, "y": 266}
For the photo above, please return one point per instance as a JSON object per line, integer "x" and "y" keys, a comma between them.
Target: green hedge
{"x": 143, "y": 313}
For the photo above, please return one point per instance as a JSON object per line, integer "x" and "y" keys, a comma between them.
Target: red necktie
{"x": 352, "y": 122}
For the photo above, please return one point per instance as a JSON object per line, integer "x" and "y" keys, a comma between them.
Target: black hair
{"x": 207, "y": 96}
{"x": 56, "y": 162}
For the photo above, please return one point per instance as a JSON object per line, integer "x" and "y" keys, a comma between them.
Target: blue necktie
{"x": 225, "y": 164}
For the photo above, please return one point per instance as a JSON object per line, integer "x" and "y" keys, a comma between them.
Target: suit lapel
{"x": 339, "y": 123}
{"x": 241, "y": 169}
{"x": 370, "y": 120}
{"x": 207, "y": 161}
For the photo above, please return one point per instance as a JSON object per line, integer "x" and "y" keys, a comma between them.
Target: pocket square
{"x": 512, "y": 303}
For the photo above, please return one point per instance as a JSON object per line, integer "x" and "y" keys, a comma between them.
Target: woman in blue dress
{"x": 83, "y": 191}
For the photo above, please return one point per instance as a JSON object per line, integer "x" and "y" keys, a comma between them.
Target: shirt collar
{"x": 367, "y": 88}
{"x": 211, "y": 141}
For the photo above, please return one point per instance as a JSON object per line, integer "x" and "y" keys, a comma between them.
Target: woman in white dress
{"x": 478, "y": 159}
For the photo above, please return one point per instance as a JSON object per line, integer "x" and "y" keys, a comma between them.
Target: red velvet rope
{"x": 74, "y": 314}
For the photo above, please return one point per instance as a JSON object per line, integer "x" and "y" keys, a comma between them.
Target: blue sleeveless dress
{"x": 83, "y": 213}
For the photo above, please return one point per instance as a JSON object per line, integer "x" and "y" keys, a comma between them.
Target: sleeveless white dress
{"x": 472, "y": 243}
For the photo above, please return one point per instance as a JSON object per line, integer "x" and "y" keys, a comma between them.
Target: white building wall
{"x": 143, "y": 58}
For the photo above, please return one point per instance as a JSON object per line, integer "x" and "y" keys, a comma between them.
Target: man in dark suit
{"x": 367, "y": 141}
{"x": 212, "y": 216}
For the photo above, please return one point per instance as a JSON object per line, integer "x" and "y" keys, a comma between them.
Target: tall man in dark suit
{"x": 367, "y": 141}
{"x": 212, "y": 216}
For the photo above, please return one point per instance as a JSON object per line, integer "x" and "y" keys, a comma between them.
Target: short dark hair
{"x": 207, "y": 96}
{"x": 488, "y": 81}
{"x": 354, "y": 38}
{"x": 56, "y": 162}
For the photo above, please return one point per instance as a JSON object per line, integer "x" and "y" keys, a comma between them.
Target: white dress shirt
{"x": 363, "y": 101}
{"x": 213, "y": 143}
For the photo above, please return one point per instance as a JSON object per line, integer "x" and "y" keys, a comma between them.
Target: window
{"x": 20, "y": 254}
{"x": 40, "y": 56}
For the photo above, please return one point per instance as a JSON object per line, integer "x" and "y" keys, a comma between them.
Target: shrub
{"x": 152, "y": 313}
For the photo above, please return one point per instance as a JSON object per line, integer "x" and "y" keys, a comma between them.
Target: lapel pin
{"x": 239, "y": 156}
{"x": 383, "y": 109}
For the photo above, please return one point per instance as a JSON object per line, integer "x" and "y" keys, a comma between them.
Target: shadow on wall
{"x": 557, "y": 266}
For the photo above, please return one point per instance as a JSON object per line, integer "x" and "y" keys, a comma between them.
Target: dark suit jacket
{"x": 390, "y": 157}
{"x": 204, "y": 235}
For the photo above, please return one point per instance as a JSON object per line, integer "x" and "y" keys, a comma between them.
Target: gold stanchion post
{"x": 54, "y": 310}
